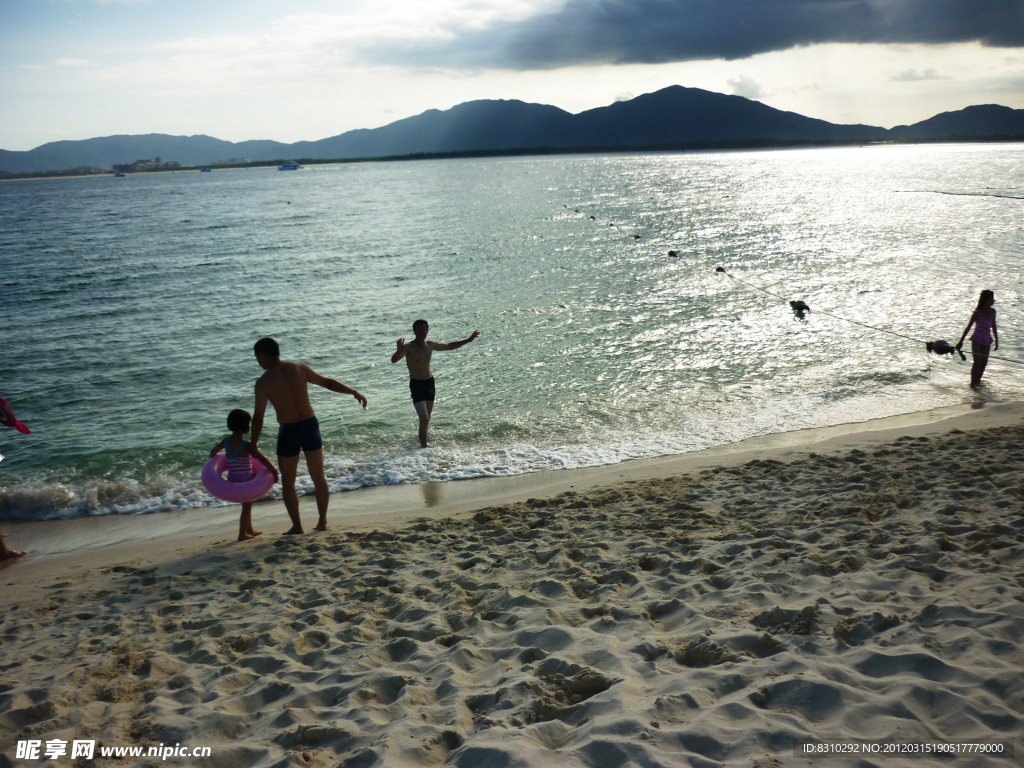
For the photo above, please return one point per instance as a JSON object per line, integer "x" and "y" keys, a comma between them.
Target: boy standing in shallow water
{"x": 240, "y": 453}
{"x": 421, "y": 380}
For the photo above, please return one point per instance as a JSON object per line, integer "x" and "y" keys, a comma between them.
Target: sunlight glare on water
{"x": 132, "y": 305}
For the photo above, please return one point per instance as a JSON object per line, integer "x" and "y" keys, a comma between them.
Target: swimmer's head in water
{"x": 420, "y": 325}
{"x": 239, "y": 420}
{"x": 268, "y": 347}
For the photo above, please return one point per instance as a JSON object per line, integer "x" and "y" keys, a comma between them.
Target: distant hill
{"x": 678, "y": 115}
{"x": 107, "y": 151}
{"x": 469, "y": 127}
{"x": 672, "y": 117}
{"x": 985, "y": 120}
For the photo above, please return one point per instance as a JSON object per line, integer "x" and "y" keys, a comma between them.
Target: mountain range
{"x": 675, "y": 117}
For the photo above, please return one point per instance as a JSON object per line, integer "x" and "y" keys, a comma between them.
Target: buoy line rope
{"x": 847, "y": 320}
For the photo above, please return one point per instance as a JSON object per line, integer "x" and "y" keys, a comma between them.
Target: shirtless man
{"x": 421, "y": 380}
{"x": 285, "y": 385}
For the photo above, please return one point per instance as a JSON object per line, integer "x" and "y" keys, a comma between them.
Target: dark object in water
{"x": 718, "y": 269}
{"x": 672, "y": 254}
{"x": 799, "y": 308}
{"x": 942, "y": 347}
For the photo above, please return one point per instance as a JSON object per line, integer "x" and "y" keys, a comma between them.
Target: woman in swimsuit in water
{"x": 985, "y": 333}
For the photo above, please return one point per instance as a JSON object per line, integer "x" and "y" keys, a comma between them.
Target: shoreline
{"x": 851, "y": 585}
{"x": 702, "y": 146}
{"x": 78, "y": 544}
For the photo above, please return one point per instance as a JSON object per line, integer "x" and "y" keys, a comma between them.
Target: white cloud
{"x": 224, "y": 45}
{"x": 913, "y": 76}
{"x": 968, "y": 73}
{"x": 747, "y": 87}
{"x": 394, "y": 22}
{"x": 316, "y": 48}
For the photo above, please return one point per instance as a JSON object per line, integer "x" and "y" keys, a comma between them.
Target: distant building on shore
{"x": 232, "y": 161}
{"x": 146, "y": 165}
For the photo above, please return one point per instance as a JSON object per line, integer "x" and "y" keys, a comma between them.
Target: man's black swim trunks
{"x": 421, "y": 389}
{"x": 299, "y": 436}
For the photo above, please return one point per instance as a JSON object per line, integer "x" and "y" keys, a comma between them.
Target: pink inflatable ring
{"x": 213, "y": 479}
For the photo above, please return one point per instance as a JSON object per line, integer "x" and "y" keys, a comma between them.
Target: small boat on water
{"x": 204, "y": 170}
{"x": 118, "y": 175}
{"x": 289, "y": 165}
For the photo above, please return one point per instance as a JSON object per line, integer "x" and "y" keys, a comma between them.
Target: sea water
{"x": 130, "y": 306}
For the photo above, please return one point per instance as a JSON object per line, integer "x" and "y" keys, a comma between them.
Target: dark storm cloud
{"x": 660, "y": 31}
{"x": 656, "y": 31}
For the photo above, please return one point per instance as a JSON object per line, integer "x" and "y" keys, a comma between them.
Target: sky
{"x": 310, "y": 69}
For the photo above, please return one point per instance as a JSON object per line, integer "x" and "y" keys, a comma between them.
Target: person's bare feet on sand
{"x": 249, "y": 535}
{"x": 293, "y": 531}
{"x": 322, "y": 526}
{"x": 9, "y": 554}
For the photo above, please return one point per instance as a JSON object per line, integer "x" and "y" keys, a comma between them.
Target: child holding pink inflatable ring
{"x": 239, "y": 464}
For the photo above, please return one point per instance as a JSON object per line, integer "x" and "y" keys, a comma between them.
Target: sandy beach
{"x": 859, "y": 588}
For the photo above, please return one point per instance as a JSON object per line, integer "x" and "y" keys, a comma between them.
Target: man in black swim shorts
{"x": 422, "y": 390}
{"x": 300, "y": 436}
{"x": 421, "y": 381}
{"x": 285, "y": 384}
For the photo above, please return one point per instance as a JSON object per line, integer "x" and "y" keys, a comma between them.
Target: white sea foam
{"x": 432, "y": 465}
